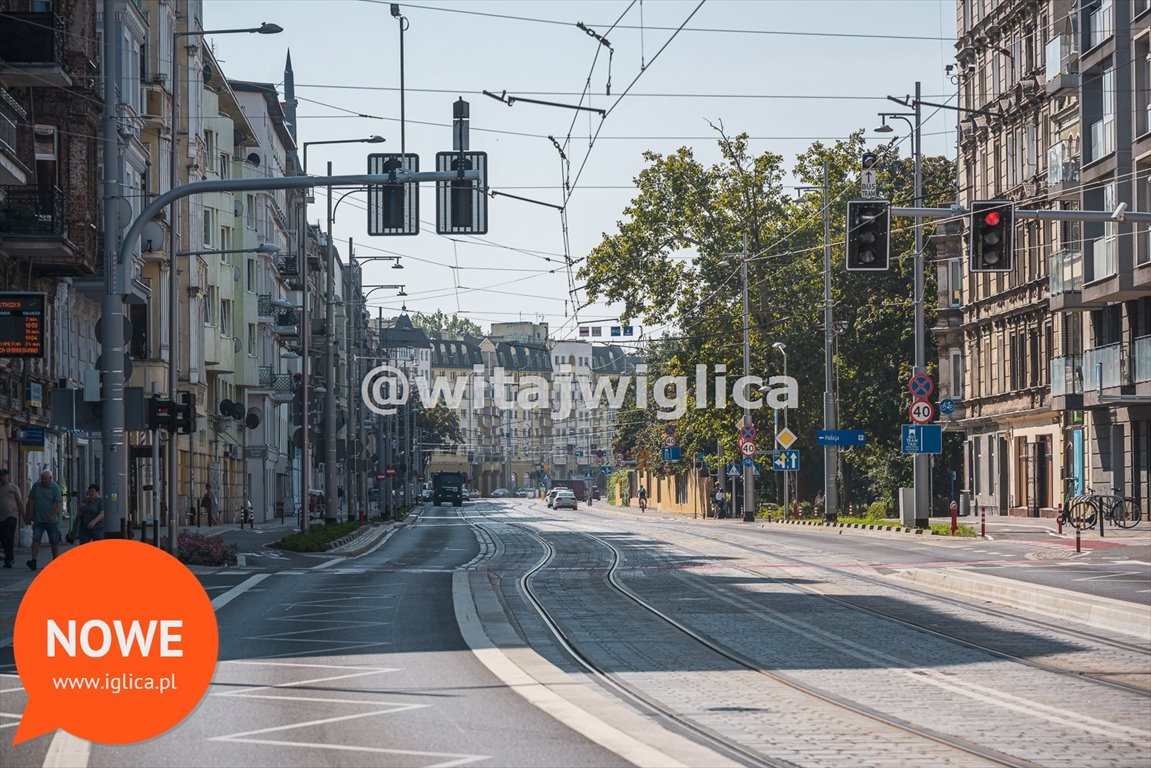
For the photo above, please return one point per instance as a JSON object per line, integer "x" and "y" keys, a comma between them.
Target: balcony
{"x": 32, "y": 50}
{"x": 33, "y": 226}
{"x": 1065, "y": 280}
{"x": 13, "y": 173}
{"x": 1062, "y": 59}
{"x": 1103, "y": 367}
{"x": 1062, "y": 169}
{"x": 1066, "y": 376}
{"x": 1100, "y": 26}
{"x": 264, "y": 309}
{"x": 286, "y": 322}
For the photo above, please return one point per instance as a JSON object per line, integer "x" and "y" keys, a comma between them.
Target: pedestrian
{"x": 44, "y": 507}
{"x": 11, "y": 502}
{"x": 720, "y": 497}
{"x": 92, "y": 516}
{"x": 206, "y": 503}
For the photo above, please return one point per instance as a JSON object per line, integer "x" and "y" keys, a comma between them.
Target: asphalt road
{"x": 359, "y": 663}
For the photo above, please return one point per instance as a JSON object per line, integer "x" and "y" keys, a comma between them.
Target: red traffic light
{"x": 992, "y": 218}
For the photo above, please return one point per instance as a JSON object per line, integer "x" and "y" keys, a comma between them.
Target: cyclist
{"x": 642, "y": 499}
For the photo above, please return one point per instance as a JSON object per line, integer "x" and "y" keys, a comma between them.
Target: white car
{"x": 551, "y": 495}
{"x": 565, "y": 498}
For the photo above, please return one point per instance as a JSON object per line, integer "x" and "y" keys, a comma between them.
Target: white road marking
{"x": 1115, "y": 576}
{"x": 238, "y": 590}
{"x": 456, "y": 761}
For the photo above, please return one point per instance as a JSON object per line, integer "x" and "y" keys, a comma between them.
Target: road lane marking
{"x": 238, "y": 590}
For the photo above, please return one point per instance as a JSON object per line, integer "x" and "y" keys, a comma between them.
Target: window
{"x": 251, "y": 265}
{"x": 225, "y": 166}
{"x": 956, "y": 374}
{"x": 225, "y": 243}
{"x": 210, "y": 306}
{"x": 209, "y": 228}
{"x": 226, "y": 317}
{"x": 955, "y": 283}
{"x": 251, "y": 338}
{"x": 250, "y": 211}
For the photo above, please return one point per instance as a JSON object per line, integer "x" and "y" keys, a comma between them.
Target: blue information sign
{"x": 786, "y": 461}
{"x": 671, "y": 453}
{"x": 922, "y": 438}
{"x": 733, "y": 470}
{"x": 947, "y": 406}
{"x": 846, "y": 437}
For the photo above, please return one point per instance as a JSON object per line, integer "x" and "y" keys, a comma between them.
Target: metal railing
{"x": 7, "y": 133}
{"x": 32, "y": 211}
{"x": 32, "y": 38}
{"x": 1062, "y": 164}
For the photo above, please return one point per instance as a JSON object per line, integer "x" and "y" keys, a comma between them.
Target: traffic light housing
{"x": 868, "y": 235}
{"x": 161, "y": 414}
{"x": 992, "y": 236}
{"x": 185, "y": 421}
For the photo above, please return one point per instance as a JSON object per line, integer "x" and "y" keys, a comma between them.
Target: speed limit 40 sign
{"x": 921, "y": 412}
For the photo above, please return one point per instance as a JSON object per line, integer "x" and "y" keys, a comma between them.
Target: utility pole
{"x": 112, "y": 341}
{"x": 921, "y": 467}
{"x": 331, "y": 500}
{"x": 748, "y": 471}
{"x": 830, "y": 500}
{"x": 305, "y": 359}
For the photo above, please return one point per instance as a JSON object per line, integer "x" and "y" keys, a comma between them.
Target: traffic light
{"x": 868, "y": 235}
{"x": 992, "y": 236}
{"x": 160, "y": 413}
{"x": 185, "y": 421}
{"x": 297, "y": 400}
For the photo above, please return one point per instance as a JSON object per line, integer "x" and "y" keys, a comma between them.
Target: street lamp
{"x": 373, "y": 139}
{"x": 920, "y": 462}
{"x": 266, "y": 28}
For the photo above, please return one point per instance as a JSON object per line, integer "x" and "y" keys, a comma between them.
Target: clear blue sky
{"x": 745, "y": 62}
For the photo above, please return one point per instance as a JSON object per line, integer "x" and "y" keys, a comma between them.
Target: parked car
{"x": 500, "y": 493}
{"x": 427, "y": 496}
{"x": 595, "y": 492}
{"x": 564, "y": 498}
{"x": 551, "y": 496}
{"x": 473, "y": 494}
{"x": 525, "y": 493}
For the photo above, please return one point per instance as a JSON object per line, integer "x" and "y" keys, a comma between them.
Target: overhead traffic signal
{"x": 992, "y": 236}
{"x": 868, "y": 235}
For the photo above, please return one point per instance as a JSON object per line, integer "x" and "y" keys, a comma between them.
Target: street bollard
{"x": 982, "y": 523}
{"x": 1059, "y": 523}
{"x": 1078, "y": 547}
{"x": 1102, "y": 517}
{"x": 954, "y": 518}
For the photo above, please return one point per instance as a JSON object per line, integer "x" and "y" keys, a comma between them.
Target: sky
{"x": 788, "y": 72}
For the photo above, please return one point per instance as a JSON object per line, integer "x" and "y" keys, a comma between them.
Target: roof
{"x": 275, "y": 108}
{"x": 456, "y": 353}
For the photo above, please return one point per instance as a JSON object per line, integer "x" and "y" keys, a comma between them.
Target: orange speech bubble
{"x": 115, "y": 642}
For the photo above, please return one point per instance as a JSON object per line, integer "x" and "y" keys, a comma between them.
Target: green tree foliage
{"x": 439, "y": 325}
{"x": 674, "y": 262}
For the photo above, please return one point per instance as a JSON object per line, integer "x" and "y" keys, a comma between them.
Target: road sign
{"x": 847, "y": 437}
{"x": 605, "y": 470}
{"x": 786, "y": 438}
{"x": 922, "y": 438}
{"x": 748, "y": 449}
{"x": 947, "y": 406}
{"x": 733, "y": 470}
{"x": 600, "y": 460}
{"x": 747, "y": 431}
{"x": 921, "y": 385}
{"x": 669, "y": 441}
{"x": 748, "y": 461}
{"x": 868, "y": 187}
{"x": 669, "y": 430}
{"x": 921, "y": 411}
{"x": 578, "y": 454}
{"x": 786, "y": 461}
{"x": 671, "y": 453}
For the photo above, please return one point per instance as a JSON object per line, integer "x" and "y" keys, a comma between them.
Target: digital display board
{"x": 23, "y": 324}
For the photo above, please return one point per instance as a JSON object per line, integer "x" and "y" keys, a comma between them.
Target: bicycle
{"x": 642, "y": 504}
{"x": 1083, "y": 511}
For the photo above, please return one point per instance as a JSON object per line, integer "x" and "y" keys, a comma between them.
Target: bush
{"x": 202, "y": 549}
{"x": 879, "y": 510}
{"x": 317, "y": 539}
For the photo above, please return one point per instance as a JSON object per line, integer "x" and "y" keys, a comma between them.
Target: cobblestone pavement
{"x": 773, "y": 612}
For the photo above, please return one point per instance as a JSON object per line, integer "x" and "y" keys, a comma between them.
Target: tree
{"x": 439, "y": 325}
{"x": 674, "y": 261}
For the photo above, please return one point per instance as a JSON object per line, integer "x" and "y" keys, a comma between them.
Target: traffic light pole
{"x": 830, "y": 495}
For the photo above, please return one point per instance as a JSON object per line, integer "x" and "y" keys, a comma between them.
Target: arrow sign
{"x": 786, "y": 461}
{"x": 848, "y": 437}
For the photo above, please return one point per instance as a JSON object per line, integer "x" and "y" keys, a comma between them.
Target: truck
{"x": 448, "y": 486}
{"x": 578, "y": 486}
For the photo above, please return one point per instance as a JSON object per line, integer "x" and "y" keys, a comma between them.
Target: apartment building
{"x": 1054, "y": 354}
{"x": 50, "y": 105}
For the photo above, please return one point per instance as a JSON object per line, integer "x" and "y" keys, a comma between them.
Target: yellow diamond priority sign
{"x": 785, "y": 438}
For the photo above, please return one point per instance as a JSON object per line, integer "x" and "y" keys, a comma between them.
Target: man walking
{"x": 45, "y": 505}
{"x": 11, "y": 502}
